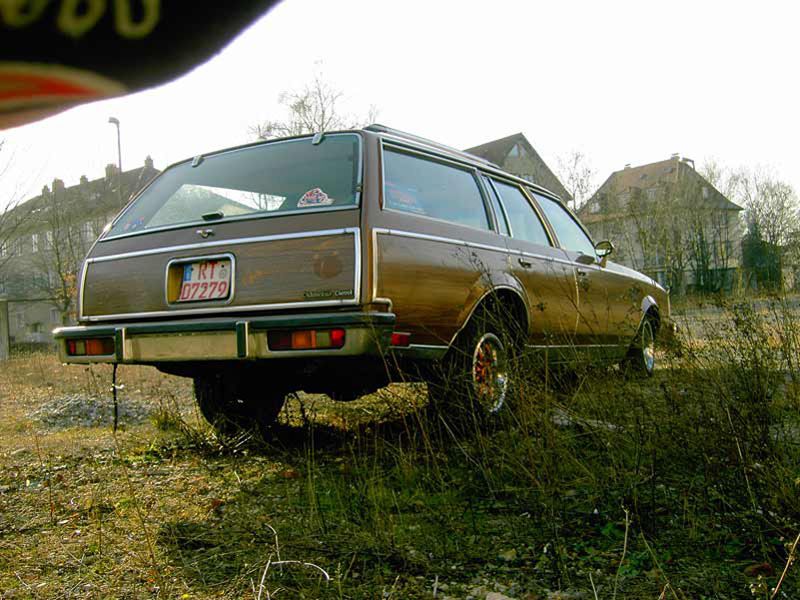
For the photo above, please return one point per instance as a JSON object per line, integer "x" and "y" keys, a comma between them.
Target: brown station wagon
{"x": 329, "y": 263}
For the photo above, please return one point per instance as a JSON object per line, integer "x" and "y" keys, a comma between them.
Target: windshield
{"x": 275, "y": 178}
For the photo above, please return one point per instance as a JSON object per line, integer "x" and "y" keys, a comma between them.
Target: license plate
{"x": 206, "y": 280}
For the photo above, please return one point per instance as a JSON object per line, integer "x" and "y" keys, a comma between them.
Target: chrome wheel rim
{"x": 490, "y": 373}
{"x": 648, "y": 346}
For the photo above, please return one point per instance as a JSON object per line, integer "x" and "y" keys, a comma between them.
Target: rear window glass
{"x": 274, "y": 178}
{"x": 432, "y": 189}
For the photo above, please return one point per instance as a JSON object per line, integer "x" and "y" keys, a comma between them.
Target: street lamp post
{"x": 114, "y": 121}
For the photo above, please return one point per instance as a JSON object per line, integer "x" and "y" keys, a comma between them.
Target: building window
{"x": 55, "y": 315}
{"x": 48, "y": 240}
{"x": 20, "y": 320}
{"x": 35, "y": 242}
{"x": 517, "y": 151}
{"x": 2, "y": 250}
{"x": 88, "y": 231}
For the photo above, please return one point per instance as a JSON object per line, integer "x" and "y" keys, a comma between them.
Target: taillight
{"x": 400, "y": 338}
{"x": 91, "y": 347}
{"x": 306, "y": 339}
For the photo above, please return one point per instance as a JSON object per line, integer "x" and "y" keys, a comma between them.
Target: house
{"x": 516, "y": 155}
{"x": 40, "y": 259}
{"x": 665, "y": 219}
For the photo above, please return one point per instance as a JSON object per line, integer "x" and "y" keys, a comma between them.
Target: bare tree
{"x": 12, "y": 216}
{"x": 770, "y": 204}
{"x": 61, "y": 246}
{"x": 577, "y": 176}
{"x": 773, "y": 222}
{"x": 314, "y": 108}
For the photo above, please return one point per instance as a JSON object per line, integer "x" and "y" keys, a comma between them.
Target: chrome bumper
{"x": 226, "y": 339}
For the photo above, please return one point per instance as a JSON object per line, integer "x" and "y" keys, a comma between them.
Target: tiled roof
{"x": 663, "y": 172}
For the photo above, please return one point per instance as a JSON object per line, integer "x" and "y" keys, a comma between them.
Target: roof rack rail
{"x": 378, "y": 128}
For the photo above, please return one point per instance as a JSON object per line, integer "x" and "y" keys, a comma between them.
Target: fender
{"x": 648, "y": 302}
{"x": 502, "y": 281}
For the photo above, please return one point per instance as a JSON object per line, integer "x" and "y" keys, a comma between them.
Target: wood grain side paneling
{"x": 278, "y": 271}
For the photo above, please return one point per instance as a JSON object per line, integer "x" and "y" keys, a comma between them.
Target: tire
{"x": 234, "y": 405}
{"x": 641, "y": 358}
{"x": 474, "y": 382}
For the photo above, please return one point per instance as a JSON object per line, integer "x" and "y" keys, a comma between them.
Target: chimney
{"x": 688, "y": 161}
{"x": 45, "y": 190}
{"x": 58, "y": 185}
{"x": 675, "y": 156}
{"x": 148, "y": 162}
{"x": 628, "y": 166}
{"x": 84, "y": 180}
{"x": 111, "y": 169}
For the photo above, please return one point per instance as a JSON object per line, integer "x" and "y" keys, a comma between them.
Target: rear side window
{"x": 432, "y": 189}
{"x": 525, "y": 223}
{"x": 570, "y": 235}
{"x": 498, "y": 210}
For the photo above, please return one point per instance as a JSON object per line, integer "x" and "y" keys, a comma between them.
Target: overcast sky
{"x": 621, "y": 81}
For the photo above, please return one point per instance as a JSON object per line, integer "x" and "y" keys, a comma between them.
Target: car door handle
{"x": 525, "y": 263}
{"x": 582, "y": 273}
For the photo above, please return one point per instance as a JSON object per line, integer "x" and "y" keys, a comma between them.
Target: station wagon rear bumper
{"x": 222, "y": 339}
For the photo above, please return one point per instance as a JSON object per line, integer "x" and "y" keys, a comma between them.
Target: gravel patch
{"x": 88, "y": 410}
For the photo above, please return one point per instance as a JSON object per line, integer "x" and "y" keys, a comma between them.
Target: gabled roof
{"x": 497, "y": 152}
{"x": 663, "y": 172}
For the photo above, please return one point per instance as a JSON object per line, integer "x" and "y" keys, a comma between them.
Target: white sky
{"x": 622, "y": 81}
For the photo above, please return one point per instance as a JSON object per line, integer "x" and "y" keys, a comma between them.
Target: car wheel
{"x": 642, "y": 353}
{"x": 234, "y": 405}
{"x": 474, "y": 382}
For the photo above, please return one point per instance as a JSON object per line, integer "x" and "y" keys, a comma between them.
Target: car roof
{"x": 399, "y": 137}
{"x": 413, "y": 140}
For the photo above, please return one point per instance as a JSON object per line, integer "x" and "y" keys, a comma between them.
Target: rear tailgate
{"x": 266, "y": 226}
{"x": 292, "y": 261}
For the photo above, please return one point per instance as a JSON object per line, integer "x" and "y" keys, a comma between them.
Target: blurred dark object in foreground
{"x": 55, "y": 54}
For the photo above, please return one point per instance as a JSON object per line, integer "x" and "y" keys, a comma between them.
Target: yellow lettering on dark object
{"x": 124, "y": 23}
{"x": 76, "y": 17}
{"x": 20, "y": 13}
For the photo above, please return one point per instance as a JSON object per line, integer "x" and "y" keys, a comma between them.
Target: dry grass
{"x": 623, "y": 488}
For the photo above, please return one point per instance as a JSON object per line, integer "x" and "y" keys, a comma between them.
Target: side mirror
{"x": 603, "y": 249}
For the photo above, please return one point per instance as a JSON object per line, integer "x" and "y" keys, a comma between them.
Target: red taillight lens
{"x": 337, "y": 338}
{"x": 401, "y": 339}
{"x": 306, "y": 339}
{"x": 91, "y": 347}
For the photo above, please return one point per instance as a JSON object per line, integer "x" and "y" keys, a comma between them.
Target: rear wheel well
{"x": 507, "y": 305}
